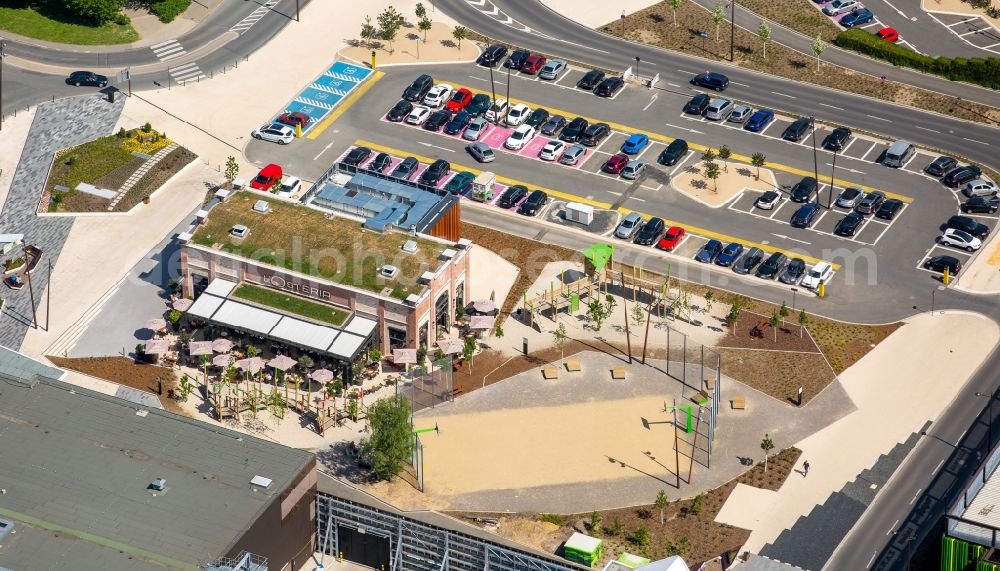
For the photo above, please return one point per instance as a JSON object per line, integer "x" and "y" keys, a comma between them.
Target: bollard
{"x": 946, "y": 276}
{"x": 821, "y": 290}
{"x": 373, "y": 59}
{"x": 298, "y": 130}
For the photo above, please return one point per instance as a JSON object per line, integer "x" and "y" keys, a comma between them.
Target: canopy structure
{"x": 182, "y": 304}
{"x": 222, "y": 360}
{"x": 583, "y": 549}
{"x": 484, "y": 306}
{"x": 281, "y": 362}
{"x": 482, "y": 322}
{"x": 404, "y": 356}
{"x": 156, "y": 324}
{"x": 222, "y": 345}
{"x": 251, "y": 364}
{"x": 157, "y": 347}
{"x": 321, "y": 375}
{"x": 451, "y": 346}
{"x": 598, "y": 255}
{"x": 196, "y": 348}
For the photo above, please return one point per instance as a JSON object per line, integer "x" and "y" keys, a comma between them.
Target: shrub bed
{"x": 167, "y": 10}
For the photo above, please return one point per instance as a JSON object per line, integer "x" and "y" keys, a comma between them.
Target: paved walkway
{"x": 983, "y": 274}
{"x": 594, "y": 13}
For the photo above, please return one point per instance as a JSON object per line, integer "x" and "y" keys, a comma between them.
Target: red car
{"x": 266, "y": 177}
{"x": 888, "y": 34}
{"x": 459, "y": 100}
{"x": 294, "y": 119}
{"x": 670, "y": 240}
{"x": 615, "y": 164}
{"x": 532, "y": 64}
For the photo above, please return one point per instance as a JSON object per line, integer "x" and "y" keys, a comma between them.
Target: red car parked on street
{"x": 670, "y": 240}
{"x": 459, "y": 100}
{"x": 615, "y": 164}
{"x": 532, "y": 64}
{"x": 266, "y": 177}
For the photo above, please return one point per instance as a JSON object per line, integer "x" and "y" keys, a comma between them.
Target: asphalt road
{"x": 550, "y": 33}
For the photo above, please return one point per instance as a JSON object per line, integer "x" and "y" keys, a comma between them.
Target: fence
{"x": 428, "y": 387}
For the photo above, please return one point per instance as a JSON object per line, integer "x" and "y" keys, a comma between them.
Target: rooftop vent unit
{"x": 261, "y": 206}
{"x": 158, "y": 484}
{"x": 388, "y": 271}
{"x": 410, "y": 246}
{"x": 261, "y": 481}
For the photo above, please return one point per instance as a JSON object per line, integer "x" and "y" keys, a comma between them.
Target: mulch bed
{"x": 786, "y": 337}
{"x": 778, "y": 373}
{"x": 126, "y": 372}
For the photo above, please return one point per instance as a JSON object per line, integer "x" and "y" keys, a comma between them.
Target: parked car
{"x": 459, "y": 100}
{"x": 805, "y": 215}
{"x": 435, "y": 172}
{"x": 804, "y": 189}
{"x": 676, "y": 150}
{"x": 437, "y": 120}
{"x": 772, "y": 266}
{"x": 719, "y": 109}
{"x": 275, "y": 133}
{"x": 399, "y": 111}
{"x": 629, "y": 225}
{"x": 709, "y": 252}
{"x": 418, "y": 116}
{"x": 572, "y": 132}
{"x": 460, "y": 182}
{"x": 888, "y": 34}
{"x": 498, "y": 111}
{"x": 859, "y": 17}
{"x": 850, "y": 197}
{"x": 294, "y": 118}
{"x": 553, "y": 125}
{"x": 479, "y": 104}
{"x": 793, "y": 271}
{"x": 837, "y": 139}
{"x": 420, "y": 86}
{"x": 818, "y": 274}
{"x": 405, "y": 169}
{"x": 981, "y": 205}
{"x": 615, "y": 163}
{"x": 966, "y": 224}
{"x": 512, "y": 196}
{"x": 698, "y": 104}
{"x": 889, "y": 209}
{"x": 481, "y": 152}
{"x": 609, "y": 87}
{"x": 516, "y": 59}
{"x": 940, "y": 166}
{"x": 961, "y": 175}
{"x": 840, "y": 6}
{"x": 458, "y": 123}
{"x": 492, "y": 55}
{"x": 520, "y": 137}
{"x": 674, "y": 235}
{"x": 959, "y": 239}
{"x": 475, "y": 129}
{"x": 551, "y": 150}
{"x": 552, "y": 69}
{"x": 291, "y": 184}
{"x": 380, "y": 162}
{"x": 633, "y": 170}
{"x": 356, "y": 156}
{"x": 939, "y": 263}
{"x": 650, "y": 232}
{"x": 849, "y": 224}
{"x": 537, "y": 117}
{"x": 595, "y": 134}
{"x": 591, "y": 79}
{"x": 749, "y": 261}
{"x": 533, "y": 204}
{"x": 729, "y": 254}
{"x": 572, "y": 155}
{"x": 635, "y": 143}
{"x": 438, "y": 95}
{"x": 768, "y": 200}
{"x": 90, "y": 78}
{"x": 272, "y": 172}
{"x": 980, "y": 187}
{"x": 740, "y": 114}
{"x": 798, "y": 129}
{"x": 870, "y": 202}
{"x": 759, "y": 120}
{"x": 517, "y": 114}
{"x": 711, "y": 80}
{"x": 532, "y": 64}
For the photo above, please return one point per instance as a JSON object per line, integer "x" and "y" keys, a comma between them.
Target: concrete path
{"x": 982, "y": 275}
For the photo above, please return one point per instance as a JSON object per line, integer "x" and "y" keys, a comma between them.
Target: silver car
{"x": 740, "y": 114}
{"x": 850, "y": 197}
{"x": 475, "y": 129}
{"x": 481, "y": 152}
{"x": 629, "y": 226}
{"x": 633, "y": 170}
{"x": 572, "y": 155}
{"x": 980, "y": 187}
{"x": 552, "y": 69}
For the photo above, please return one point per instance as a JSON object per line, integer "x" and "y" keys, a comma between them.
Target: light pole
{"x": 829, "y": 194}
{"x": 812, "y": 126}
{"x": 989, "y": 443}
{"x": 493, "y": 89}
{"x": 31, "y": 290}
{"x": 795, "y": 290}
{"x": 508, "y": 89}
{"x": 732, "y": 31}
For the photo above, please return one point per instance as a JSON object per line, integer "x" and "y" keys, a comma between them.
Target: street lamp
{"x": 812, "y": 125}
{"x": 833, "y": 169}
{"x": 989, "y": 443}
{"x": 492, "y": 87}
{"x": 732, "y": 31}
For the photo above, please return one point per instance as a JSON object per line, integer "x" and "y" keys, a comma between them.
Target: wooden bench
{"x": 618, "y": 373}
{"x": 702, "y": 398}
{"x": 550, "y": 372}
{"x": 739, "y": 403}
{"x": 573, "y": 365}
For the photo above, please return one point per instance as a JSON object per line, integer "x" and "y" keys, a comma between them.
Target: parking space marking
{"x": 341, "y": 105}
{"x": 937, "y": 250}
{"x": 962, "y": 21}
{"x": 870, "y": 149}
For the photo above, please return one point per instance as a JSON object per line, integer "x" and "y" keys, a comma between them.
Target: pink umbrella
{"x": 484, "y": 305}
{"x": 253, "y": 364}
{"x": 156, "y": 324}
{"x": 182, "y": 304}
{"x": 321, "y": 375}
{"x": 451, "y": 346}
{"x": 157, "y": 347}
{"x": 196, "y": 348}
{"x": 221, "y": 360}
{"x": 482, "y": 322}
{"x": 404, "y": 356}
{"x": 281, "y": 362}
{"x": 222, "y": 345}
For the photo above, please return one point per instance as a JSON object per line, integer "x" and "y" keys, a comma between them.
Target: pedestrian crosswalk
{"x": 248, "y": 22}
{"x": 168, "y": 50}
{"x": 186, "y": 73}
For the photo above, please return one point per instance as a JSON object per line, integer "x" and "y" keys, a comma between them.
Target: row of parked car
{"x": 528, "y": 63}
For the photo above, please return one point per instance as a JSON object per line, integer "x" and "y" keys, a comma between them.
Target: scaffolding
{"x": 245, "y": 561}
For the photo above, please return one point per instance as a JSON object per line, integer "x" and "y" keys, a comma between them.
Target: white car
{"x": 275, "y": 133}
{"x": 959, "y": 239}
{"x": 820, "y": 273}
{"x": 418, "y": 115}
{"x": 520, "y": 137}
{"x": 517, "y": 115}
{"x": 768, "y": 200}
{"x": 438, "y": 95}
{"x": 840, "y": 6}
{"x": 289, "y": 186}
{"x": 497, "y": 111}
{"x": 551, "y": 150}
{"x": 980, "y": 187}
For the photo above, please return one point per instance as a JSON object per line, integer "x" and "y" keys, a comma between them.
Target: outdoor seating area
{"x": 17, "y": 269}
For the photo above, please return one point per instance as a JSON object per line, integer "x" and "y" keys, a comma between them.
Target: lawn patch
{"x": 49, "y": 20}
{"x": 799, "y": 15}
{"x": 291, "y": 304}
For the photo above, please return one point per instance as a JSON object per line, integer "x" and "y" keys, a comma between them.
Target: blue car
{"x": 857, "y": 18}
{"x": 805, "y": 215}
{"x": 729, "y": 254}
{"x": 759, "y": 120}
{"x": 458, "y": 123}
{"x": 635, "y": 143}
{"x": 708, "y": 252}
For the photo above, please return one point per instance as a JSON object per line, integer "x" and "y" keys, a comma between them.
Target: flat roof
{"x": 330, "y": 247}
{"x": 24, "y": 368}
{"x": 79, "y": 463}
{"x": 386, "y": 202}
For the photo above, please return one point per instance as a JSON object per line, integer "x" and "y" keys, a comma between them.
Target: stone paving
{"x": 57, "y": 125}
{"x": 141, "y": 172}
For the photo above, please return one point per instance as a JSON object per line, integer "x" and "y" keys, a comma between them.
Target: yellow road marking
{"x": 994, "y": 258}
{"x": 596, "y": 204}
{"x": 345, "y": 105}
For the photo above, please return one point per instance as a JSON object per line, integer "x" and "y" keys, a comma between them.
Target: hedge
{"x": 167, "y": 10}
{"x": 985, "y": 72}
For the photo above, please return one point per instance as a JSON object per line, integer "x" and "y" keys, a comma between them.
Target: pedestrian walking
{"x": 805, "y": 468}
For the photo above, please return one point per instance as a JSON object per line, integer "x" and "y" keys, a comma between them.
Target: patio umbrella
{"x": 182, "y": 304}
{"x": 404, "y": 356}
{"x": 321, "y": 375}
{"x": 253, "y": 364}
{"x": 221, "y": 360}
{"x": 157, "y": 347}
{"x": 196, "y": 348}
{"x": 282, "y": 363}
{"x": 156, "y": 324}
{"x": 484, "y": 305}
{"x": 222, "y": 345}
{"x": 451, "y": 346}
{"x": 482, "y": 322}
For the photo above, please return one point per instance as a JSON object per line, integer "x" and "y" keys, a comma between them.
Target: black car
{"x": 837, "y": 140}
{"x": 516, "y": 59}
{"x": 437, "y": 120}
{"x": 399, "y": 111}
{"x": 356, "y": 156}
{"x": 673, "y": 153}
{"x": 458, "y": 123}
{"x": 698, "y": 104}
{"x": 940, "y": 166}
{"x": 650, "y": 232}
{"x": 574, "y": 130}
{"x": 512, "y": 196}
{"x": 435, "y": 172}
{"x": 981, "y": 205}
{"x": 848, "y": 225}
{"x": 79, "y": 78}
{"x": 537, "y": 117}
{"x": 595, "y": 134}
{"x": 966, "y": 224}
{"x": 939, "y": 263}
{"x": 479, "y": 104}
{"x": 797, "y": 130}
{"x": 793, "y": 271}
{"x": 552, "y": 126}
{"x": 405, "y": 168}
{"x": 609, "y": 86}
{"x": 889, "y": 209}
{"x": 591, "y": 79}
{"x": 380, "y": 162}
{"x": 534, "y": 203}
{"x": 710, "y": 80}
{"x": 772, "y": 266}
{"x": 492, "y": 55}
{"x": 419, "y": 88}
{"x": 804, "y": 189}
{"x": 870, "y": 203}
{"x": 749, "y": 261}
{"x": 961, "y": 175}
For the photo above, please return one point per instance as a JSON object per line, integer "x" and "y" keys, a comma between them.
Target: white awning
{"x": 346, "y": 345}
{"x": 205, "y": 306}
{"x": 360, "y": 326}
{"x": 304, "y": 334}
{"x": 220, "y": 287}
{"x": 246, "y": 317}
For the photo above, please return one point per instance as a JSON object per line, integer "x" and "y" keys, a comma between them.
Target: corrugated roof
{"x": 386, "y": 203}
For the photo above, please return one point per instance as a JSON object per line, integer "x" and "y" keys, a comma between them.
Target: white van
{"x": 719, "y": 109}
{"x": 898, "y": 154}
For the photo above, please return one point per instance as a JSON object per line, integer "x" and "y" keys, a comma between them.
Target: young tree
{"x": 734, "y": 313}
{"x": 674, "y": 5}
{"x": 232, "y": 169}
{"x": 420, "y": 11}
{"x": 559, "y": 336}
{"x": 818, "y": 46}
{"x": 422, "y": 355}
{"x": 498, "y": 331}
{"x": 708, "y": 156}
{"x": 388, "y": 25}
{"x": 803, "y": 318}
{"x": 306, "y": 362}
{"x": 638, "y": 315}
{"x": 596, "y": 312}
{"x": 718, "y": 16}
{"x": 98, "y": 11}
{"x": 616, "y": 528}
{"x": 368, "y": 31}
{"x": 766, "y": 445}
{"x": 773, "y": 322}
{"x": 764, "y": 33}
{"x": 712, "y": 172}
{"x": 611, "y": 303}
{"x": 640, "y": 537}
{"x": 391, "y": 441}
{"x": 595, "y": 523}
{"x": 661, "y": 503}
{"x": 424, "y": 24}
{"x": 757, "y": 160}
{"x": 696, "y": 504}
{"x": 724, "y": 154}
{"x": 205, "y": 362}
{"x": 468, "y": 351}
{"x": 709, "y": 298}
{"x": 459, "y": 33}
{"x": 784, "y": 312}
